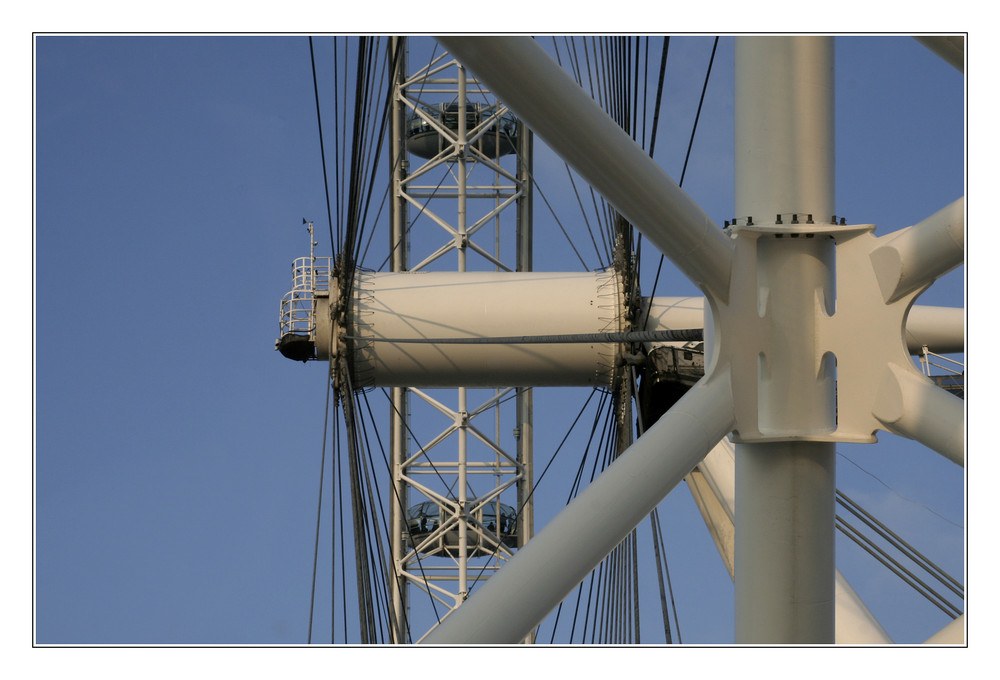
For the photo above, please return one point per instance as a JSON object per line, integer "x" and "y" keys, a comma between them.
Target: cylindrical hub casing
{"x": 434, "y": 305}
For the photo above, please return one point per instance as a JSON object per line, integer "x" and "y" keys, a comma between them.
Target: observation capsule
{"x": 424, "y": 140}
{"x": 433, "y": 530}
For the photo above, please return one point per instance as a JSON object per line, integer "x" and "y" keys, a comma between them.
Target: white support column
{"x": 540, "y": 575}
{"x": 784, "y": 543}
{"x": 715, "y": 478}
{"x": 785, "y": 487}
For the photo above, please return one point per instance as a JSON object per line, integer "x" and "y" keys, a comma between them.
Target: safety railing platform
{"x": 311, "y": 277}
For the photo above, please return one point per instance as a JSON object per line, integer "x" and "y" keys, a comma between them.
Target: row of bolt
{"x": 777, "y": 220}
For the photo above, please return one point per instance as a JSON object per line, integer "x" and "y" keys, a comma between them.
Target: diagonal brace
{"x": 912, "y": 258}
{"x": 910, "y": 405}
{"x": 518, "y": 597}
{"x": 538, "y": 91}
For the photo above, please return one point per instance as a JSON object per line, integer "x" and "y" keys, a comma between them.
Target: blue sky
{"x": 177, "y": 455}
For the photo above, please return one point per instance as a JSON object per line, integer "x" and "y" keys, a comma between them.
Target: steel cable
{"x": 895, "y": 567}
{"x": 322, "y": 146}
{"x": 902, "y": 546}
{"x": 694, "y": 129}
{"x": 676, "y": 335}
{"x": 319, "y": 511}
{"x": 376, "y": 512}
{"x": 659, "y": 548}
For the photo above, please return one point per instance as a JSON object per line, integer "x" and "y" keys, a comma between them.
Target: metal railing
{"x": 310, "y": 275}
{"x": 950, "y": 374}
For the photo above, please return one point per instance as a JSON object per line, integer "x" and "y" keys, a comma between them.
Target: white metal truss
{"x": 460, "y": 468}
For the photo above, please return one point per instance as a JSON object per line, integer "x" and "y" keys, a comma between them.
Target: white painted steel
{"x": 462, "y": 490}
{"x": 796, "y": 376}
{"x": 719, "y": 468}
{"x": 786, "y": 307}
{"x": 782, "y": 380}
{"x": 784, "y": 128}
{"x": 672, "y": 313}
{"x": 909, "y": 404}
{"x": 462, "y": 418}
{"x": 716, "y": 475}
{"x": 885, "y": 343}
{"x": 856, "y": 625}
{"x": 485, "y": 304}
{"x": 770, "y": 331}
{"x": 541, "y": 574}
{"x": 399, "y": 452}
{"x": 910, "y": 259}
{"x": 785, "y": 575}
{"x": 939, "y": 329}
{"x": 951, "y": 634}
{"x": 398, "y": 425}
{"x": 439, "y": 305}
{"x": 462, "y": 174}
{"x": 718, "y": 519}
{"x": 539, "y": 92}
{"x": 477, "y": 193}
{"x": 785, "y": 543}
{"x": 525, "y": 396}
